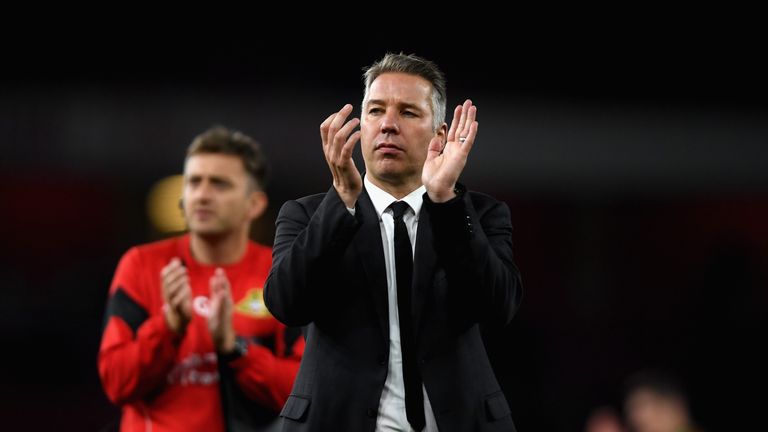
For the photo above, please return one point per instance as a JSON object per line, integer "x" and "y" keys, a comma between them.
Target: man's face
{"x": 396, "y": 127}
{"x": 216, "y": 194}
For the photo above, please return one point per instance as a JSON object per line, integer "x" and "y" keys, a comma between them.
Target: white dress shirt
{"x": 392, "y": 416}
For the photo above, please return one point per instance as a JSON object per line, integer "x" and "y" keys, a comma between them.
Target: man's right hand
{"x": 177, "y": 295}
{"x": 338, "y": 143}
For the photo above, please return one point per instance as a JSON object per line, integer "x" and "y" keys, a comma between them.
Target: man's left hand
{"x": 445, "y": 164}
{"x": 221, "y": 310}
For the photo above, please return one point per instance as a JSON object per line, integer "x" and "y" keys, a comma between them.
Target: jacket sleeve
{"x": 308, "y": 248}
{"x": 137, "y": 350}
{"x": 267, "y": 377}
{"x": 473, "y": 240}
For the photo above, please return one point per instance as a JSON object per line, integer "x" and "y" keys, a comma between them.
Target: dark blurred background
{"x": 635, "y": 168}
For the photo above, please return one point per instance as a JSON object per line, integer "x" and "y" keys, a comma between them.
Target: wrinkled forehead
{"x": 400, "y": 88}
{"x": 218, "y": 164}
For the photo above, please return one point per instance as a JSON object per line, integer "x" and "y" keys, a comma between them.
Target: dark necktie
{"x": 414, "y": 399}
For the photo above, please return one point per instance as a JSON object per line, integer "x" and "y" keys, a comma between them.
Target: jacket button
{"x": 371, "y": 412}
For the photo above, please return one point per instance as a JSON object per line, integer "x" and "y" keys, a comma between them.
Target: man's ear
{"x": 258, "y": 204}
{"x": 442, "y": 132}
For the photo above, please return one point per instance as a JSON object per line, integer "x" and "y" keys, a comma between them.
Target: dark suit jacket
{"x": 328, "y": 274}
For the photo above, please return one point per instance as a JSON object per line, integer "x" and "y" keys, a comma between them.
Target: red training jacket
{"x": 167, "y": 382}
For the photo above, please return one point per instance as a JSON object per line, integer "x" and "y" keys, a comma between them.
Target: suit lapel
{"x": 424, "y": 262}
{"x": 371, "y": 252}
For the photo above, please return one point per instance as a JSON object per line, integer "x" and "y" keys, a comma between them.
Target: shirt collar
{"x": 382, "y": 199}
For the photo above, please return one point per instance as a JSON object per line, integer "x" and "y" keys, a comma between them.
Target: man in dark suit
{"x": 392, "y": 272}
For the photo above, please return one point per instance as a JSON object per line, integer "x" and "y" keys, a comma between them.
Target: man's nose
{"x": 203, "y": 191}
{"x": 389, "y": 123}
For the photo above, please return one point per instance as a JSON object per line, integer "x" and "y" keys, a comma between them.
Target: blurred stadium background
{"x": 636, "y": 172}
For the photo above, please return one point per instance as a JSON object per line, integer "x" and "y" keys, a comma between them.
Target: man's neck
{"x": 218, "y": 250}
{"x": 396, "y": 189}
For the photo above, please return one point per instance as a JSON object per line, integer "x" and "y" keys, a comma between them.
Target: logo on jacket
{"x": 202, "y": 306}
{"x": 195, "y": 369}
{"x": 252, "y": 304}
